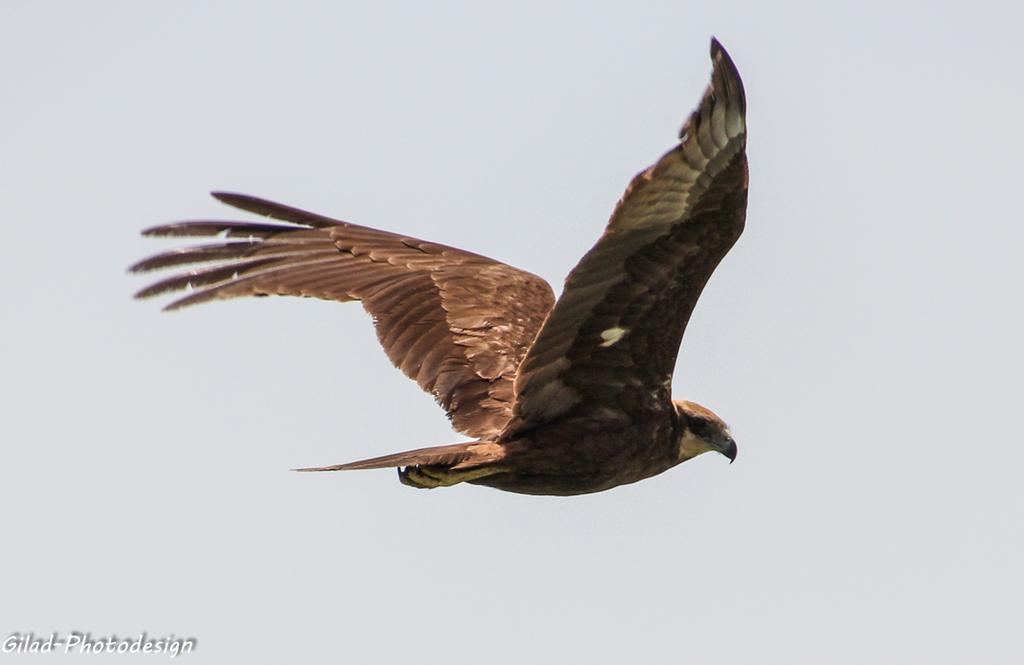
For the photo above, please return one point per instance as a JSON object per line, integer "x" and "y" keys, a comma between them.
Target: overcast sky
{"x": 863, "y": 338}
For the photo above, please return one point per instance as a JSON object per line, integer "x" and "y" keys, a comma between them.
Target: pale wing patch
{"x": 554, "y": 399}
{"x": 613, "y": 335}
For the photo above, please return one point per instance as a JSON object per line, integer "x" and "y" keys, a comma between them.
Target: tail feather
{"x": 457, "y": 454}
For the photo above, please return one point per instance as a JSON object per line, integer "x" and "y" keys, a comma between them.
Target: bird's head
{"x": 702, "y": 431}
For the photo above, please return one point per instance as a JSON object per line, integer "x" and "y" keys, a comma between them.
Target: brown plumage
{"x": 562, "y": 398}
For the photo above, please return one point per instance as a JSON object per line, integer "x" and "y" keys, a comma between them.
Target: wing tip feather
{"x": 724, "y": 65}
{"x": 231, "y": 198}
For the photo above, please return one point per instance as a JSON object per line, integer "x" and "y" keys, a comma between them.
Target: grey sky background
{"x": 862, "y": 339}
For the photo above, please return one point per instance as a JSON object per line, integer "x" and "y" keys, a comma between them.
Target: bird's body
{"x": 562, "y": 397}
{"x": 583, "y": 454}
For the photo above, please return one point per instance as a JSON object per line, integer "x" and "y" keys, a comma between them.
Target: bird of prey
{"x": 560, "y": 397}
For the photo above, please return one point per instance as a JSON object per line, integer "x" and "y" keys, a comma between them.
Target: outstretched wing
{"x": 612, "y": 338}
{"x": 455, "y": 322}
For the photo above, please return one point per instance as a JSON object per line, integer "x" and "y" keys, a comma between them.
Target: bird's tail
{"x": 455, "y": 456}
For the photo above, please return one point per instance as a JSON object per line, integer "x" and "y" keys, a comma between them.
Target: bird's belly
{"x": 547, "y": 484}
{"x": 551, "y": 464}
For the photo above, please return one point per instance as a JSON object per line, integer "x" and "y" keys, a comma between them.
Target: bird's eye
{"x": 699, "y": 426}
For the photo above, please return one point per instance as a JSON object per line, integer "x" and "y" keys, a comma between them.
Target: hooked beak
{"x": 729, "y": 450}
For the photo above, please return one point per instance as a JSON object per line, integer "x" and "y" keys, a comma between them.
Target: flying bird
{"x": 560, "y": 397}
